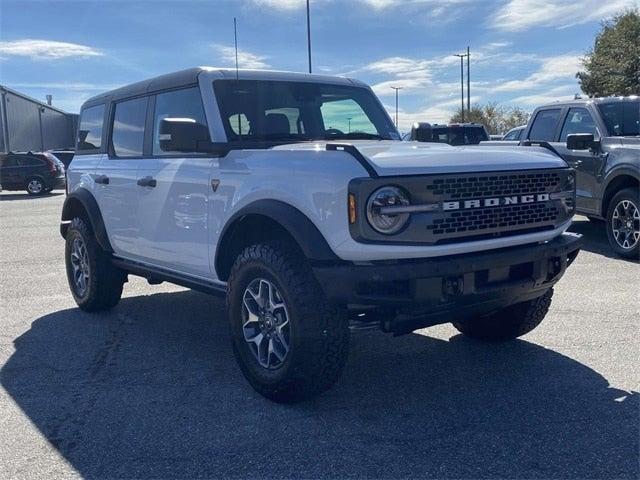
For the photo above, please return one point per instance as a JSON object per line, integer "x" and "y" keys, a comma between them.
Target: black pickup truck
{"x": 600, "y": 139}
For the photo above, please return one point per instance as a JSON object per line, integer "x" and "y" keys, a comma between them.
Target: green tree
{"x": 612, "y": 66}
{"x": 497, "y": 118}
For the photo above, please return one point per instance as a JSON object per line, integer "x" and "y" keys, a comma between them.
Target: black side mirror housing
{"x": 183, "y": 135}
{"x": 421, "y": 132}
{"x": 581, "y": 141}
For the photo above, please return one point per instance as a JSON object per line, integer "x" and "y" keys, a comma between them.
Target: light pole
{"x": 396, "y": 89}
{"x": 468, "y": 82}
{"x": 349, "y": 120}
{"x": 461, "y": 56}
{"x": 309, "y": 35}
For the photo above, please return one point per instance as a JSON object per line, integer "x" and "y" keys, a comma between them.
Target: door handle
{"x": 147, "y": 182}
{"x": 102, "y": 180}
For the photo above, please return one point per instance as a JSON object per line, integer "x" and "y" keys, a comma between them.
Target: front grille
{"x": 477, "y": 220}
{"x": 467, "y": 207}
{"x": 501, "y": 220}
{"x": 478, "y": 186}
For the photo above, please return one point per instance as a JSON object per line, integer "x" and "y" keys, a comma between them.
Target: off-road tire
{"x": 509, "y": 323}
{"x": 632, "y": 195}
{"x": 319, "y": 333}
{"x": 104, "y": 286}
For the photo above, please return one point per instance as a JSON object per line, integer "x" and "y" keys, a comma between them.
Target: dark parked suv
{"x": 37, "y": 173}
{"x": 454, "y": 133}
{"x": 600, "y": 139}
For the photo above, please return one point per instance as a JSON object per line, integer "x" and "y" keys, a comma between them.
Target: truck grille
{"x": 501, "y": 220}
{"x": 495, "y": 185}
{"x": 465, "y": 207}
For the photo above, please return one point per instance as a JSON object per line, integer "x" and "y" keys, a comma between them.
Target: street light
{"x": 396, "y": 89}
{"x": 309, "y": 35}
{"x": 349, "y": 120}
{"x": 461, "y": 56}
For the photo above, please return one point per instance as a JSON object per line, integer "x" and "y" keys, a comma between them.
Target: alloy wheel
{"x": 35, "y": 186}
{"x": 80, "y": 265}
{"x": 265, "y": 323}
{"x": 625, "y": 224}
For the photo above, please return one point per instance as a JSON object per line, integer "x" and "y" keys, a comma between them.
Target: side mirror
{"x": 183, "y": 135}
{"x": 580, "y": 141}
{"x": 421, "y": 132}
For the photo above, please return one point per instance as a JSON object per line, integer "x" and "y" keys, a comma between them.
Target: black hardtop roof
{"x": 189, "y": 76}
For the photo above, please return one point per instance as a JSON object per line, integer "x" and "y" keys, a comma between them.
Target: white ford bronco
{"x": 293, "y": 195}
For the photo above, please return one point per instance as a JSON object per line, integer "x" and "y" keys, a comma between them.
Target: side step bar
{"x": 157, "y": 275}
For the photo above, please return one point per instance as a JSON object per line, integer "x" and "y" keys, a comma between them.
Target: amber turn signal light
{"x": 352, "y": 208}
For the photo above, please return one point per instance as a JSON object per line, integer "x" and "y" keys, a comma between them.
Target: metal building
{"x": 27, "y": 124}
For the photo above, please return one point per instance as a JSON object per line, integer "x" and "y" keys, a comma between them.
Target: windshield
{"x": 459, "y": 135}
{"x": 277, "y": 111}
{"x": 621, "y": 118}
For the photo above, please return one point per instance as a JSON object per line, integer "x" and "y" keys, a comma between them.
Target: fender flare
{"x": 626, "y": 170}
{"x": 88, "y": 202}
{"x": 297, "y": 224}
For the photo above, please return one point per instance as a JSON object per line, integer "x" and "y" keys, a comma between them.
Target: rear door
{"x": 173, "y": 202}
{"x": 586, "y": 163}
{"x": 10, "y": 172}
{"x": 117, "y": 174}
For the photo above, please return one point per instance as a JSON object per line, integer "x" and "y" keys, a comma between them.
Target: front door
{"x": 173, "y": 200}
{"x": 587, "y": 164}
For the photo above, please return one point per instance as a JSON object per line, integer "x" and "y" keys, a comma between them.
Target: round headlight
{"x": 387, "y": 223}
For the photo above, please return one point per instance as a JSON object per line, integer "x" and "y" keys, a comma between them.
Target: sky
{"x": 523, "y": 52}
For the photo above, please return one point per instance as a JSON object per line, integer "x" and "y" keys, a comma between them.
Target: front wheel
{"x": 623, "y": 223}
{"x": 509, "y": 323}
{"x": 290, "y": 343}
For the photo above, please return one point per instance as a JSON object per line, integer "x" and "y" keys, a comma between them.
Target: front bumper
{"x": 422, "y": 292}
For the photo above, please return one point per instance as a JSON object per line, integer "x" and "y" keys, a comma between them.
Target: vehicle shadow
{"x": 151, "y": 390}
{"x": 595, "y": 238}
{"x": 8, "y": 197}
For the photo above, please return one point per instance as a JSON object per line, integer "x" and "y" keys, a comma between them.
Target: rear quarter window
{"x": 90, "y": 129}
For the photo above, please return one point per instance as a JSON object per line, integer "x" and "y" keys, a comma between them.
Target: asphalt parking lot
{"x": 151, "y": 389}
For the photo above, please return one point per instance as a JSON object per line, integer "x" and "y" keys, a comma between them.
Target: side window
{"x": 127, "y": 137}
{"x": 185, "y": 103}
{"x": 25, "y": 161}
{"x": 9, "y": 161}
{"x": 90, "y": 129}
{"x": 579, "y": 120}
{"x": 513, "y": 135}
{"x": 346, "y": 116}
{"x": 544, "y": 125}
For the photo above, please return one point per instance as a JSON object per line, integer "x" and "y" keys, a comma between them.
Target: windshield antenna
{"x": 235, "y": 40}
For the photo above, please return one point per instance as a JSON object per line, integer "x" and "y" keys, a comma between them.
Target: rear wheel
{"x": 290, "y": 343}
{"x": 623, "y": 223}
{"x": 509, "y": 323}
{"x": 35, "y": 186}
{"x": 94, "y": 282}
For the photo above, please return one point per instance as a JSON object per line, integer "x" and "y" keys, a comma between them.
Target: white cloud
{"x": 46, "y": 49}
{"x": 280, "y": 4}
{"x": 564, "y": 92}
{"x": 245, "y": 59}
{"x": 441, "y": 5}
{"x": 552, "y": 69}
{"x": 520, "y": 15}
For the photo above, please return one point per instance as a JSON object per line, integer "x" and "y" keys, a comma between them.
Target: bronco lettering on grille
{"x": 495, "y": 201}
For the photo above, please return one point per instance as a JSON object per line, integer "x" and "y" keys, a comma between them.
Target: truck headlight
{"x": 380, "y": 208}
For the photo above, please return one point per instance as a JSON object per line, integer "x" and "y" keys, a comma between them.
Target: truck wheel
{"x": 290, "y": 343}
{"x": 509, "y": 323}
{"x": 94, "y": 282}
{"x": 35, "y": 186}
{"x": 623, "y": 223}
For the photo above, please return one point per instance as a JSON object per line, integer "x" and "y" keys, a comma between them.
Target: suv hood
{"x": 391, "y": 158}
